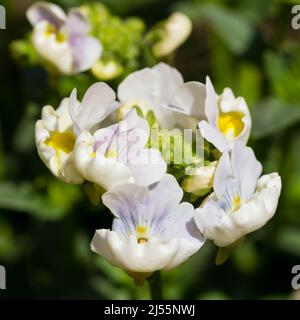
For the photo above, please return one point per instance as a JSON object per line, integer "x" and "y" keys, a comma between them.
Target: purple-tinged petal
{"x": 181, "y": 224}
{"x": 223, "y": 175}
{"x": 86, "y": 51}
{"x": 246, "y": 169}
{"x": 44, "y": 11}
{"x": 76, "y": 24}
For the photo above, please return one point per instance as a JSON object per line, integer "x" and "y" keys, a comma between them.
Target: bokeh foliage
{"x": 46, "y": 226}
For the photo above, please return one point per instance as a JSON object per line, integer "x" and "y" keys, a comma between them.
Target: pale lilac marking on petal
{"x": 43, "y": 11}
{"x": 76, "y": 24}
{"x": 86, "y": 50}
{"x": 246, "y": 169}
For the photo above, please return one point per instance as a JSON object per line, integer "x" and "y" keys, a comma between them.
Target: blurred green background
{"x": 46, "y": 226}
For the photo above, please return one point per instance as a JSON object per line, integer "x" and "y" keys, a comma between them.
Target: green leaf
{"x": 271, "y": 115}
{"x": 94, "y": 192}
{"x": 283, "y": 72}
{"x": 246, "y": 258}
{"x": 224, "y": 252}
{"x": 249, "y": 74}
{"x": 235, "y": 31}
{"x": 53, "y": 205}
{"x": 288, "y": 240}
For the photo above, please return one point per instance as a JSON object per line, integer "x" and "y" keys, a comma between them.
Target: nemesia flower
{"x": 199, "y": 180}
{"x": 151, "y": 230}
{"x": 62, "y": 40}
{"x": 117, "y": 154}
{"x": 228, "y": 119}
{"x": 162, "y": 90}
{"x": 171, "y": 34}
{"x": 57, "y": 130}
{"x": 241, "y": 202}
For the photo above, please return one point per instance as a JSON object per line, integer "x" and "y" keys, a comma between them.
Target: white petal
{"x": 86, "y": 51}
{"x": 76, "y": 24}
{"x": 106, "y": 172}
{"x": 246, "y": 169}
{"x": 169, "y": 81}
{"x": 58, "y": 53}
{"x": 225, "y": 229}
{"x": 97, "y": 103}
{"x": 245, "y": 134}
{"x": 125, "y": 199}
{"x": 165, "y": 193}
{"x": 56, "y": 160}
{"x": 225, "y": 179}
{"x": 189, "y": 99}
{"x": 181, "y": 224}
{"x": 229, "y": 103}
{"x": 44, "y": 11}
{"x": 185, "y": 250}
{"x": 133, "y": 257}
{"x": 142, "y": 84}
{"x": 175, "y": 30}
{"x": 211, "y": 102}
{"x": 148, "y": 167}
{"x": 214, "y": 136}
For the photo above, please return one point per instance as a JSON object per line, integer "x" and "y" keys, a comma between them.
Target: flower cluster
{"x": 106, "y": 141}
{"x": 91, "y": 38}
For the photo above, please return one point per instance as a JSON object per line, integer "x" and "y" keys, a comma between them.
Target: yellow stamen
{"x": 93, "y": 154}
{"x": 111, "y": 153}
{"x": 236, "y": 202}
{"x": 63, "y": 141}
{"x": 142, "y": 240}
{"x": 52, "y": 30}
{"x": 231, "y": 124}
{"x": 61, "y": 37}
{"x": 141, "y": 234}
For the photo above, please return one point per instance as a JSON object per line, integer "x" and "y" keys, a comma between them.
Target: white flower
{"x": 228, "y": 119}
{"x": 55, "y": 140}
{"x": 151, "y": 229}
{"x": 172, "y": 33}
{"x": 62, "y": 40}
{"x": 241, "y": 202}
{"x": 200, "y": 179}
{"x": 117, "y": 154}
{"x": 58, "y": 129}
{"x": 162, "y": 90}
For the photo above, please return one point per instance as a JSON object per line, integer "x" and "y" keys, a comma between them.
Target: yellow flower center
{"x": 59, "y": 36}
{"x": 236, "y": 202}
{"x": 111, "y": 153}
{"x": 141, "y": 234}
{"x": 63, "y": 141}
{"x": 142, "y": 240}
{"x": 231, "y": 124}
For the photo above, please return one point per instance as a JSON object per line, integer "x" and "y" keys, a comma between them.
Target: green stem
{"x": 155, "y": 286}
